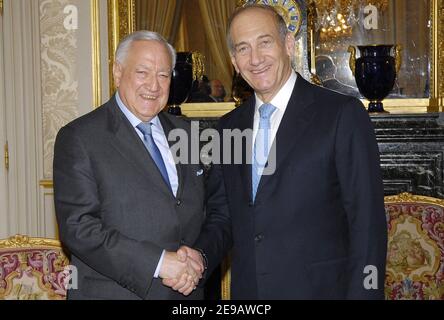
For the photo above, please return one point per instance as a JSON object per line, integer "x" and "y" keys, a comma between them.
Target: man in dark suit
{"x": 123, "y": 205}
{"x": 312, "y": 227}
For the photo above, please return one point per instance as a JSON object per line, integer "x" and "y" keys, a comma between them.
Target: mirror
{"x": 418, "y": 25}
{"x": 408, "y": 23}
{"x": 190, "y": 26}
{"x": 196, "y": 25}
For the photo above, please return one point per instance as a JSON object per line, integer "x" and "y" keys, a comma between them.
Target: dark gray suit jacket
{"x": 318, "y": 221}
{"x": 115, "y": 212}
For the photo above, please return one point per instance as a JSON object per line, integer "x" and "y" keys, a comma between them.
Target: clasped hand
{"x": 182, "y": 270}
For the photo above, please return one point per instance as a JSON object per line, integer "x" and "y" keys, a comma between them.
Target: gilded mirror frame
{"x": 434, "y": 103}
{"x": 121, "y": 21}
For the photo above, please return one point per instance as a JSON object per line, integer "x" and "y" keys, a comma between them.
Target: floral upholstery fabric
{"x": 33, "y": 272}
{"x": 415, "y": 253}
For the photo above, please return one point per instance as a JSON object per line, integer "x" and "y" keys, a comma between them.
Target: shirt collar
{"x": 130, "y": 116}
{"x": 280, "y": 101}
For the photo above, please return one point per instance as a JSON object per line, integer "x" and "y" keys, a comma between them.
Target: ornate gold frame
{"x": 21, "y": 241}
{"x": 95, "y": 42}
{"x": 122, "y": 21}
{"x": 409, "y": 198}
{"x": 1, "y": 7}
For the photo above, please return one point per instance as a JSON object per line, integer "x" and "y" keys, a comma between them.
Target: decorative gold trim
{"x": 404, "y": 106}
{"x": 206, "y": 110}
{"x": 121, "y": 22}
{"x": 434, "y": 68}
{"x": 21, "y": 241}
{"x": 226, "y": 279}
{"x": 1, "y": 7}
{"x": 293, "y": 18}
{"x": 6, "y": 156}
{"x": 410, "y": 198}
{"x": 47, "y": 184}
{"x": 438, "y": 22}
{"x": 198, "y": 65}
{"x": 95, "y": 42}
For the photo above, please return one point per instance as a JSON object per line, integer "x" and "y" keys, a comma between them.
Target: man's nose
{"x": 256, "y": 57}
{"x": 152, "y": 83}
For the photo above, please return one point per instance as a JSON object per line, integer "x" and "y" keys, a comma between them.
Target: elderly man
{"x": 123, "y": 205}
{"x": 315, "y": 227}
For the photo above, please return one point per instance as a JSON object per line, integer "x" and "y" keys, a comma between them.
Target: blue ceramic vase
{"x": 375, "y": 72}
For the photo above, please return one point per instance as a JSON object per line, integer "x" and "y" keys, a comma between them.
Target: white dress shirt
{"x": 280, "y": 101}
{"x": 164, "y": 148}
{"x": 160, "y": 140}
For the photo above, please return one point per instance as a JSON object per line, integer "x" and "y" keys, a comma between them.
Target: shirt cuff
{"x": 156, "y": 274}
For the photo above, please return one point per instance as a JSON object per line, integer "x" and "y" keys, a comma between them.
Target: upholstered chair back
{"x": 32, "y": 269}
{"x": 415, "y": 252}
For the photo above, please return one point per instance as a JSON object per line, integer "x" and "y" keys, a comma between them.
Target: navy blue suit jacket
{"x": 318, "y": 221}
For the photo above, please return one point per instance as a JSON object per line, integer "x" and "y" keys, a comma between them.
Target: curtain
{"x": 215, "y": 15}
{"x": 159, "y": 15}
{"x": 182, "y": 39}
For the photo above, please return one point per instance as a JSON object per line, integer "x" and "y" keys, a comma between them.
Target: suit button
{"x": 178, "y": 202}
{"x": 258, "y": 238}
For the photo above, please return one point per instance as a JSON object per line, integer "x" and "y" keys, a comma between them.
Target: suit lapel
{"x": 295, "y": 121}
{"x": 181, "y": 172}
{"x": 130, "y": 146}
{"x": 246, "y": 122}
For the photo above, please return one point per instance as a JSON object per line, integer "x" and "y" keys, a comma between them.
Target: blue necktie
{"x": 150, "y": 145}
{"x": 261, "y": 145}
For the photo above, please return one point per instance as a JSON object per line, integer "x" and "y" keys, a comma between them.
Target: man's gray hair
{"x": 125, "y": 44}
{"x": 280, "y": 22}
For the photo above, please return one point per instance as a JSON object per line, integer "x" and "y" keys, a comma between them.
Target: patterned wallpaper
{"x": 59, "y": 75}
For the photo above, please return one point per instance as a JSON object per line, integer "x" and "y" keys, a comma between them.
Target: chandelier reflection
{"x": 337, "y": 18}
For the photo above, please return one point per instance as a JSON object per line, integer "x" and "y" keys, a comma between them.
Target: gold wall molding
{"x": 206, "y": 110}
{"x": 121, "y": 22}
{"x": 1, "y": 7}
{"x": 440, "y": 59}
{"x": 95, "y": 39}
{"x": 47, "y": 184}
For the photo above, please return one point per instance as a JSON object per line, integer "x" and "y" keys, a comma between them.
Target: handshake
{"x": 182, "y": 270}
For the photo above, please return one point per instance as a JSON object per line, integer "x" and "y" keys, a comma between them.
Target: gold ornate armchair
{"x": 415, "y": 253}
{"x": 32, "y": 269}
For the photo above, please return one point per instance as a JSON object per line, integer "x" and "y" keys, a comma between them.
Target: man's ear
{"x": 233, "y": 61}
{"x": 117, "y": 73}
{"x": 290, "y": 44}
